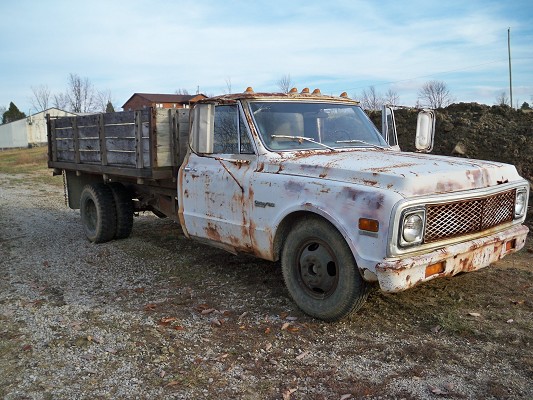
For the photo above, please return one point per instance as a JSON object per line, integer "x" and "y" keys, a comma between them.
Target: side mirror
{"x": 388, "y": 126}
{"x": 203, "y": 127}
{"x": 425, "y": 131}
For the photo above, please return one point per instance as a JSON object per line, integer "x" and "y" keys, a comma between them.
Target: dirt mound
{"x": 472, "y": 130}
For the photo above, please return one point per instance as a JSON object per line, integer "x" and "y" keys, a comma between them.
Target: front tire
{"x": 320, "y": 271}
{"x": 98, "y": 213}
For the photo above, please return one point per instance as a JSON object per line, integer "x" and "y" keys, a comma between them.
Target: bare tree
{"x": 436, "y": 94}
{"x": 102, "y": 100}
{"x": 285, "y": 83}
{"x": 81, "y": 94}
{"x": 60, "y": 100}
{"x": 371, "y": 100}
{"x": 228, "y": 85}
{"x": 502, "y": 99}
{"x": 182, "y": 91}
{"x": 391, "y": 97}
{"x": 41, "y": 97}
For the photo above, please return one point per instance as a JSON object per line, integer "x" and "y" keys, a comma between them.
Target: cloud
{"x": 161, "y": 46}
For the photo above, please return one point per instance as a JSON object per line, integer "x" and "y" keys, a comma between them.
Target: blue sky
{"x": 161, "y": 46}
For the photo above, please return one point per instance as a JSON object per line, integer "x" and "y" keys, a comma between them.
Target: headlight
{"x": 520, "y": 203}
{"x": 412, "y": 227}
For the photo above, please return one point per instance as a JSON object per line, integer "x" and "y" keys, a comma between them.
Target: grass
{"x": 23, "y": 160}
{"x": 24, "y": 166}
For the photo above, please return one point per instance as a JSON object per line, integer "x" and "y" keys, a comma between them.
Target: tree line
{"x": 80, "y": 96}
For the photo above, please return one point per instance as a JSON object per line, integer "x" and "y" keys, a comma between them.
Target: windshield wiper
{"x": 362, "y": 142}
{"x": 301, "y": 139}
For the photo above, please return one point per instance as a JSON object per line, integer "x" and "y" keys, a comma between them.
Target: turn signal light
{"x": 433, "y": 269}
{"x": 367, "y": 224}
{"x": 510, "y": 245}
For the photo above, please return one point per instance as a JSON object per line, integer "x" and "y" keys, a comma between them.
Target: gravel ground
{"x": 159, "y": 316}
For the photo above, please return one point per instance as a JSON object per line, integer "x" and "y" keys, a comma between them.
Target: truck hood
{"x": 409, "y": 174}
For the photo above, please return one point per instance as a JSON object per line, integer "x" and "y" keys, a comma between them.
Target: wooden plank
{"x": 121, "y": 131}
{"x": 64, "y": 132}
{"x": 52, "y": 143}
{"x": 126, "y": 159}
{"x": 139, "y": 160}
{"x": 76, "y": 140}
{"x": 163, "y": 174}
{"x": 88, "y": 131}
{"x": 123, "y": 117}
{"x": 91, "y": 144}
{"x": 120, "y": 144}
{"x": 183, "y": 133}
{"x": 154, "y": 137}
{"x": 63, "y": 122}
{"x": 102, "y": 140}
{"x": 64, "y": 155}
{"x": 88, "y": 120}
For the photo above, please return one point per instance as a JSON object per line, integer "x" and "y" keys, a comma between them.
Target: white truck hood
{"x": 409, "y": 174}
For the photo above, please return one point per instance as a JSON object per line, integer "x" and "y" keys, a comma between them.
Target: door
{"x": 215, "y": 187}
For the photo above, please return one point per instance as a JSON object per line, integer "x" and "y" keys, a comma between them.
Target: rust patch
{"x": 212, "y": 232}
{"x": 369, "y": 182}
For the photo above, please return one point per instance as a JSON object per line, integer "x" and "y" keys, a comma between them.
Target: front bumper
{"x": 396, "y": 275}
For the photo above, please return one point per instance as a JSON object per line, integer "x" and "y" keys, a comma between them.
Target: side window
{"x": 230, "y": 134}
{"x": 246, "y": 145}
{"x": 226, "y": 130}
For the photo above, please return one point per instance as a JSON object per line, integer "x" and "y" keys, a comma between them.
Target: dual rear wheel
{"x": 106, "y": 212}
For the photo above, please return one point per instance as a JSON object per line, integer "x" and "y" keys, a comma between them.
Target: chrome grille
{"x": 458, "y": 218}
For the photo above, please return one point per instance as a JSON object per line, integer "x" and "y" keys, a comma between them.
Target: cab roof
{"x": 293, "y": 94}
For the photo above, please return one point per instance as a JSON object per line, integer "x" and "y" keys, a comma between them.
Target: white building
{"x": 28, "y": 131}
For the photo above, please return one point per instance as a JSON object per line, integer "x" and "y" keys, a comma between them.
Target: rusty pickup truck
{"x": 301, "y": 177}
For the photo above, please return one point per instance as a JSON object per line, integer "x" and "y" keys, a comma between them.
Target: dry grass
{"x": 23, "y": 160}
{"x": 23, "y": 166}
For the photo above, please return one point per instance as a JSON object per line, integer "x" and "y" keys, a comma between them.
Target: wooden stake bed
{"x": 146, "y": 144}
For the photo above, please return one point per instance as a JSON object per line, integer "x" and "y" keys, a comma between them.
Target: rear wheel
{"x": 124, "y": 210}
{"x": 320, "y": 271}
{"x": 98, "y": 213}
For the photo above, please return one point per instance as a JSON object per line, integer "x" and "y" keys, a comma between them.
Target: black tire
{"x": 124, "y": 210}
{"x": 98, "y": 213}
{"x": 320, "y": 271}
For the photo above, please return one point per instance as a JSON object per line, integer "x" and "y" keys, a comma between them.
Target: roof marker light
{"x": 249, "y": 90}
{"x": 293, "y": 90}
{"x": 317, "y": 92}
{"x": 305, "y": 91}
{"x": 344, "y": 94}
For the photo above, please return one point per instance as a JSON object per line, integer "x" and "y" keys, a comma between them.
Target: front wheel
{"x": 320, "y": 271}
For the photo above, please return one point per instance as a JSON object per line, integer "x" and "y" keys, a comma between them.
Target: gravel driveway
{"x": 159, "y": 316}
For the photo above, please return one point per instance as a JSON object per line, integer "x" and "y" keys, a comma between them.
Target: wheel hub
{"x": 318, "y": 269}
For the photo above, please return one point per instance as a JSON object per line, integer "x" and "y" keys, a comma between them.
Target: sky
{"x": 210, "y": 46}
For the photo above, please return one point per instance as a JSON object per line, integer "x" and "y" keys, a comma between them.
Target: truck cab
{"x": 307, "y": 179}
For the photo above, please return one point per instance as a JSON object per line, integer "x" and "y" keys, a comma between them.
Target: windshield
{"x": 302, "y": 126}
